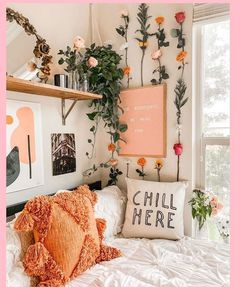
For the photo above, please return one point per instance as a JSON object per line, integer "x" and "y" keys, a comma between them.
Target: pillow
{"x": 154, "y": 209}
{"x": 111, "y": 206}
{"x": 68, "y": 239}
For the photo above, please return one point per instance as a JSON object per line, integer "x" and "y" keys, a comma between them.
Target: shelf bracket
{"x": 63, "y": 110}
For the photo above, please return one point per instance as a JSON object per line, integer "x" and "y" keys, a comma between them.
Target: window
{"x": 212, "y": 88}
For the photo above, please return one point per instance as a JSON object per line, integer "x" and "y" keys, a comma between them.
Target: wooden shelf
{"x": 28, "y": 87}
{"x": 23, "y": 86}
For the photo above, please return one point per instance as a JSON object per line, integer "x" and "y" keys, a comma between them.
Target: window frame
{"x": 202, "y": 141}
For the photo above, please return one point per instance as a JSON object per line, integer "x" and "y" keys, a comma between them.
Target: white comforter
{"x": 149, "y": 263}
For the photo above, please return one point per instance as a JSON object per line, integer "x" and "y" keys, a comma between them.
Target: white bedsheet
{"x": 145, "y": 263}
{"x": 153, "y": 263}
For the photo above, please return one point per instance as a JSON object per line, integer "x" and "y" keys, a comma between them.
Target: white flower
{"x": 124, "y": 13}
{"x": 124, "y": 46}
{"x": 79, "y": 43}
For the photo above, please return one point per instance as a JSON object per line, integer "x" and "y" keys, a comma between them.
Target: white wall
{"x": 59, "y": 23}
{"x": 108, "y": 17}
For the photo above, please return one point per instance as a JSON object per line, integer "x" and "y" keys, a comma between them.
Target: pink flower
{"x": 78, "y": 43}
{"x": 124, "y": 13}
{"x": 178, "y": 148}
{"x": 180, "y": 17}
{"x": 213, "y": 203}
{"x": 92, "y": 62}
{"x": 156, "y": 54}
{"x": 214, "y": 211}
{"x": 113, "y": 162}
{"x": 219, "y": 206}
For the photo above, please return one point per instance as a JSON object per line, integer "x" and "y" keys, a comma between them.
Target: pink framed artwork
{"x": 145, "y": 114}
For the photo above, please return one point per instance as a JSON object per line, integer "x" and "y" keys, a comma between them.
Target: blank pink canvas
{"x": 145, "y": 114}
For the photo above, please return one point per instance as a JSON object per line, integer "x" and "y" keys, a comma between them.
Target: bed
{"x": 187, "y": 262}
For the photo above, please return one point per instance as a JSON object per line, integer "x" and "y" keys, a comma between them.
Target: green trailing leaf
{"x": 91, "y": 116}
{"x": 123, "y": 127}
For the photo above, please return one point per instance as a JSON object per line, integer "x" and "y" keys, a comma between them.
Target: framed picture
{"x": 63, "y": 153}
{"x": 24, "y": 145}
{"x": 145, "y": 115}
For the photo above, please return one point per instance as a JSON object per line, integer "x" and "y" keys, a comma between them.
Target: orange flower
{"x": 126, "y": 70}
{"x": 159, "y": 19}
{"x": 141, "y": 161}
{"x": 181, "y": 56}
{"x": 158, "y": 164}
{"x": 111, "y": 147}
{"x": 143, "y": 44}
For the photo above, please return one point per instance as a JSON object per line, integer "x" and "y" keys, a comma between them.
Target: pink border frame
{"x": 3, "y": 4}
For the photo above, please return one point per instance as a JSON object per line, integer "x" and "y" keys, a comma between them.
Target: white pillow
{"x": 111, "y": 207}
{"x": 154, "y": 209}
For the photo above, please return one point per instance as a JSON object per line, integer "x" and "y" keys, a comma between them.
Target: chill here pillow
{"x": 154, "y": 209}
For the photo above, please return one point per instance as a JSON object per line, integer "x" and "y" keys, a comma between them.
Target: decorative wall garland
{"x": 122, "y": 30}
{"x": 142, "y": 18}
{"x": 41, "y": 49}
{"x": 156, "y": 55}
{"x": 180, "y": 87}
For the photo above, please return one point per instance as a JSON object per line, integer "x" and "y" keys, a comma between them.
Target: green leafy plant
{"x": 201, "y": 207}
{"x": 72, "y": 58}
{"x": 142, "y": 18}
{"x": 105, "y": 79}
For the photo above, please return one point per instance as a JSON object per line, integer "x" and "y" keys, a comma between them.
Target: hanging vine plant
{"x": 122, "y": 30}
{"x": 142, "y": 18}
{"x": 181, "y": 87}
{"x": 156, "y": 55}
{"x": 104, "y": 79}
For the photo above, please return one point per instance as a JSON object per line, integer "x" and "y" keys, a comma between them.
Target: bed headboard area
{"x": 13, "y": 209}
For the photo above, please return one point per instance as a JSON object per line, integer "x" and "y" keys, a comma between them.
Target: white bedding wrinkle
{"x": 156, "y": 263}
{"x": 145, "y": 263}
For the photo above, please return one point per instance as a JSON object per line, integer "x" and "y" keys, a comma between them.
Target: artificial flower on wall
{"x": 157, "y": 54}
{"x": 158, "y": 167}
{"x": 122, "y": 30}
{"x": 141, "y": 162}
{"x": 181, "y": 87}
{"x": 142, "y": 17}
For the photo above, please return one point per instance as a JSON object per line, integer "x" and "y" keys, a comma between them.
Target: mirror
{"x": 27, "y": 53}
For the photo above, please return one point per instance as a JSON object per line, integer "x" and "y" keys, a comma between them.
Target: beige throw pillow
{"x": 154, "y": 209}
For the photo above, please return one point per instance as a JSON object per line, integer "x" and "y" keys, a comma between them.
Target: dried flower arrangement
{"x": 41, "y": 50}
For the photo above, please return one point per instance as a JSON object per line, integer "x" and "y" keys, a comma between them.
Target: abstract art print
{"x": 145, "y": 114}
{"x": 63, "y": 153}
{"x": 24, "y": 145}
